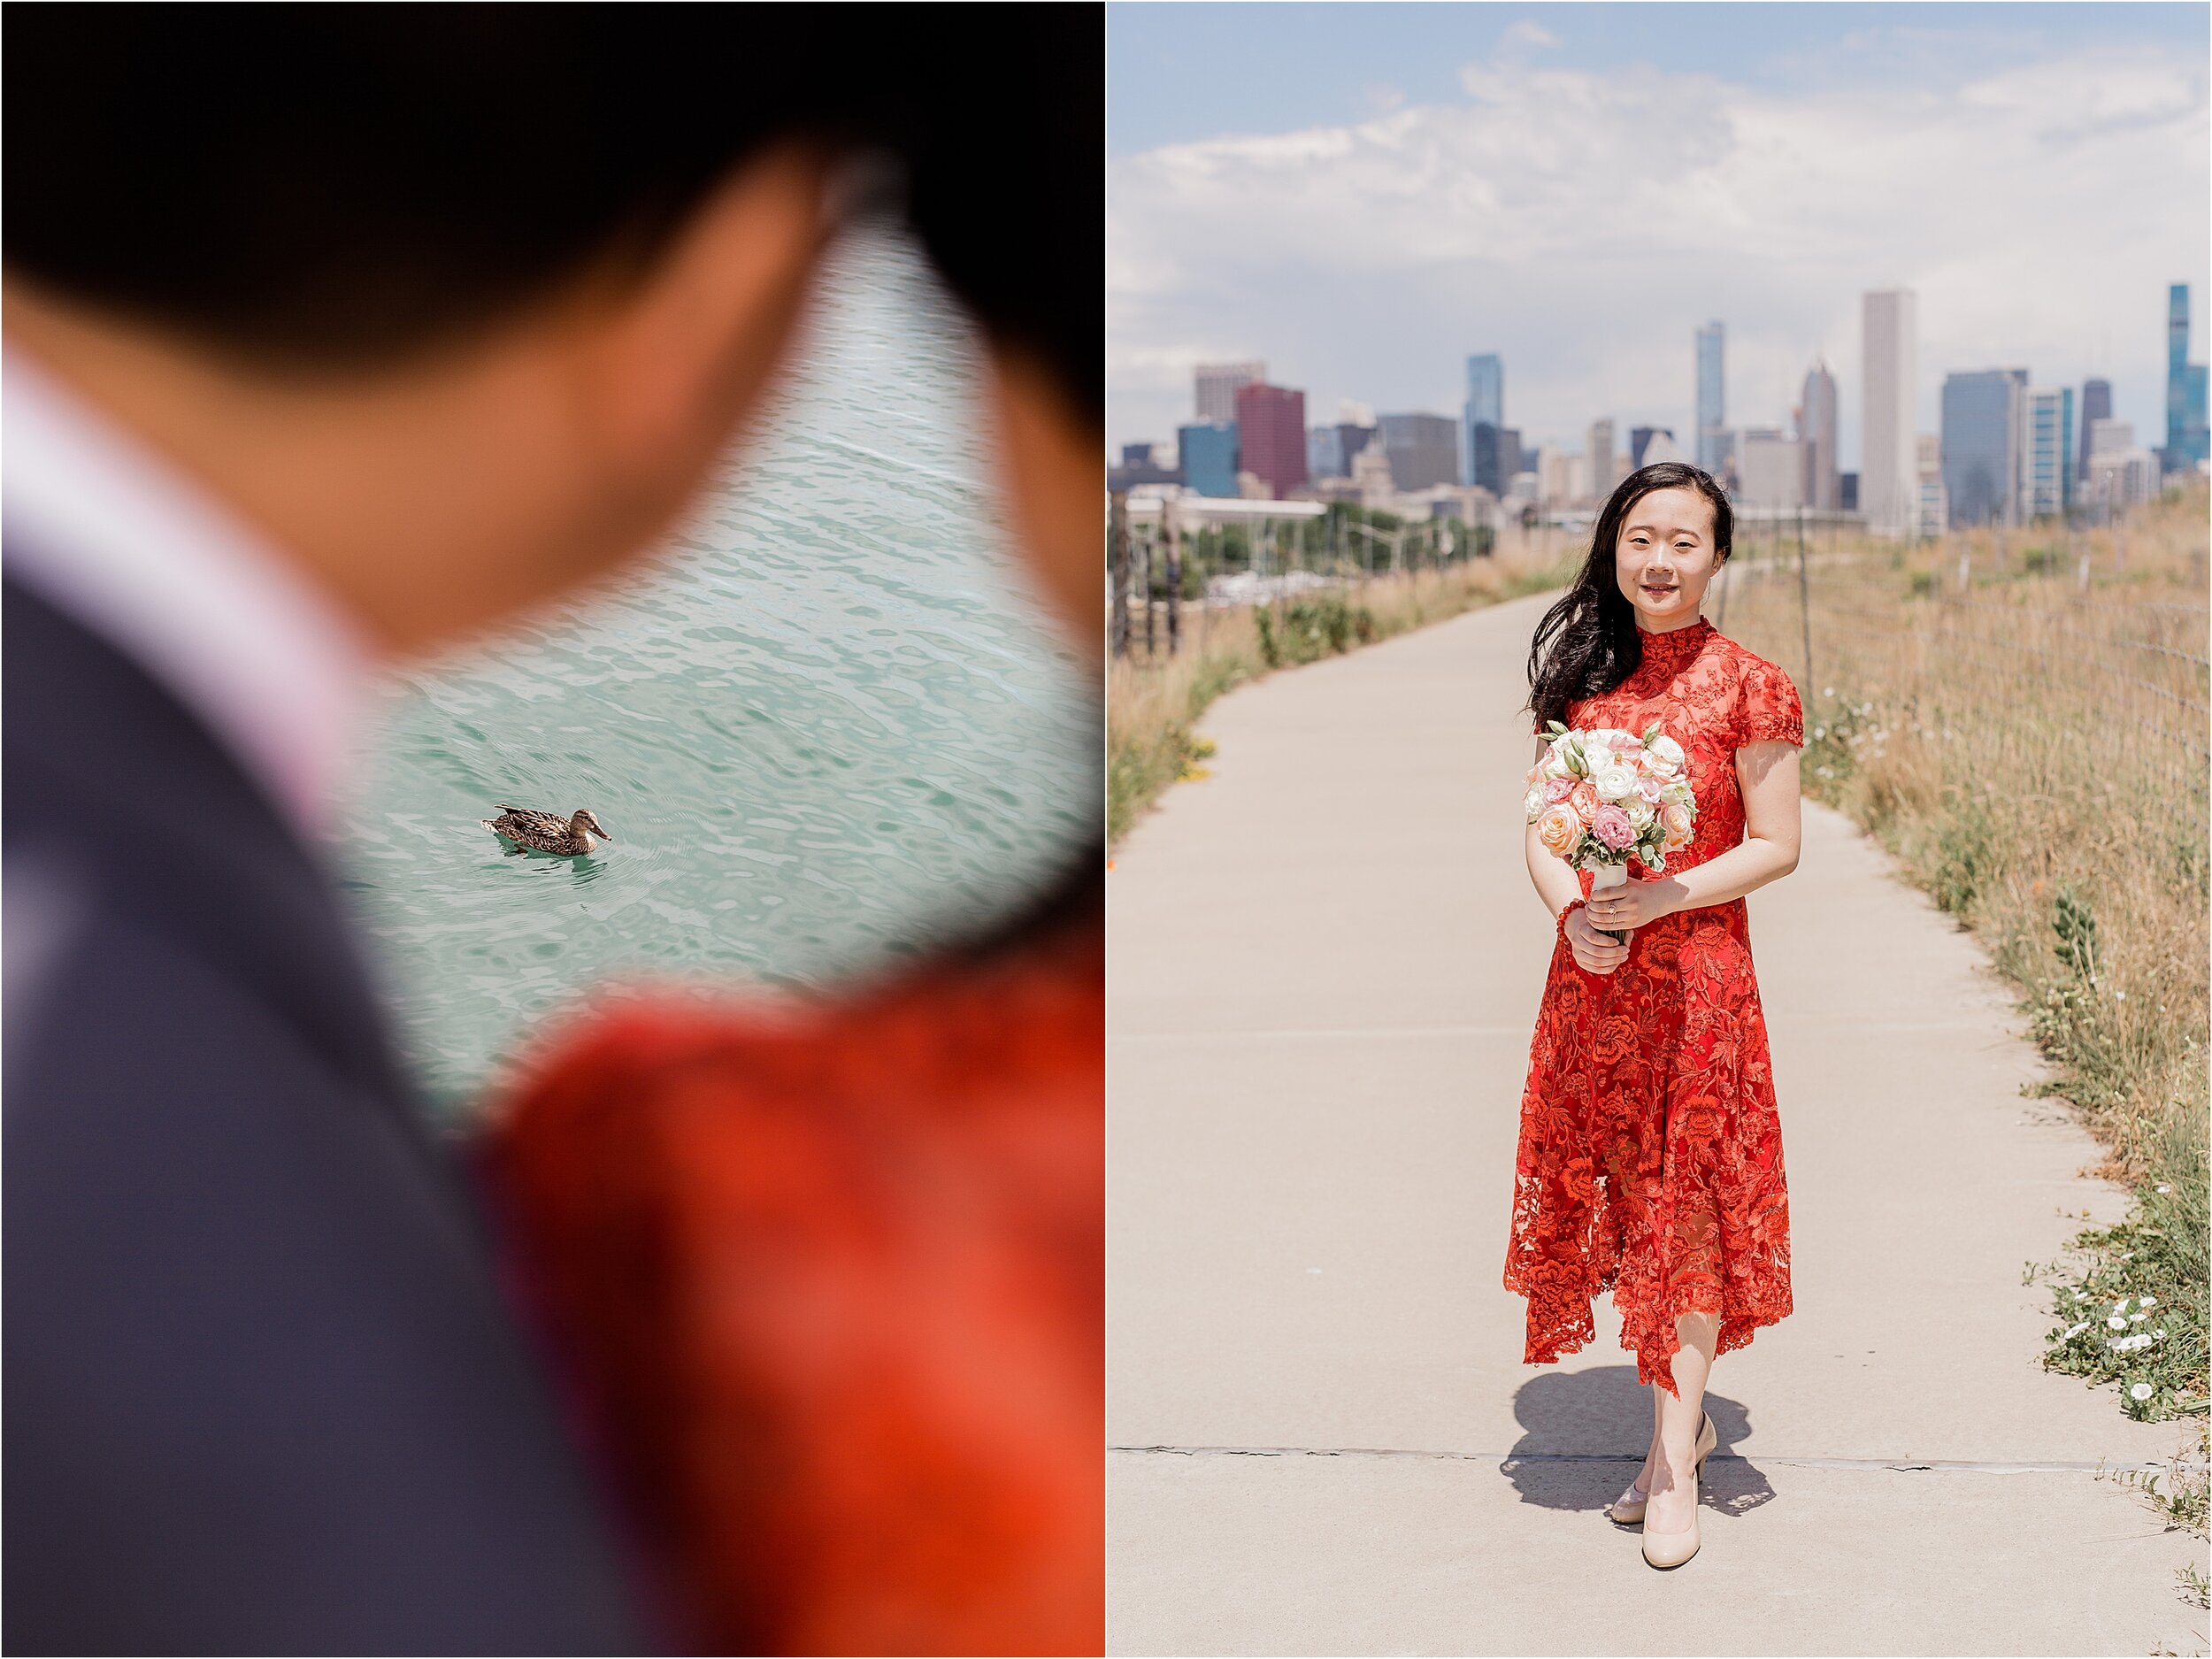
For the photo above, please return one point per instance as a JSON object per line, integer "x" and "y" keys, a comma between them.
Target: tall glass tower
{"x": 2185, "y": 435}
{"x": 1483, "y": 418}
{"x": 2177, "y": 368}
{"x": 1712, "y": 408}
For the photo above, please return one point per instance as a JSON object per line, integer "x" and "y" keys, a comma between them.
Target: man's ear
{"x": 676, "y": 359}
{"x": 1054, "y": 461}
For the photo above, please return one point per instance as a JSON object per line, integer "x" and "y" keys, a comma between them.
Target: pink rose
{"x": 1584, "y": 798}
{"x": 1557, "y": 789}
{"x": 1611, "y": 827}
{"x": 1676, "y": 819}
{"x": 1649, "y": 788}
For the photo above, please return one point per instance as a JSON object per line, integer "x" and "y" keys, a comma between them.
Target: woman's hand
{"x": 1596, "y": 952}
{"x": 1630, "y": 906}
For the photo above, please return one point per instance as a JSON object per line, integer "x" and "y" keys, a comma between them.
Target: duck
{"x": 547, "y": 832}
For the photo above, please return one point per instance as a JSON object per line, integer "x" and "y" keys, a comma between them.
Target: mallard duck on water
{"x": 544, "y": 832}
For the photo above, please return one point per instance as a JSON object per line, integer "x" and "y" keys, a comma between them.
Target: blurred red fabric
{"x": 827, "y": 1287}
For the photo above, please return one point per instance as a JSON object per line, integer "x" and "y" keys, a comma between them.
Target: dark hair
{"x": 328, "y": 187}
{"x": 1588, "y": 642}
{"x": 1009, "y": 190}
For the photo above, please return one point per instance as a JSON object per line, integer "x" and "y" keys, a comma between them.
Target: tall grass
{"x": 2032, "y": 745}
{"x": 1152, "y": 702}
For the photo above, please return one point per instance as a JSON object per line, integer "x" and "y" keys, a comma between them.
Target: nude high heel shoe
{"x": 1628, "y": 1509}
{"x": 1672, "y": 1549}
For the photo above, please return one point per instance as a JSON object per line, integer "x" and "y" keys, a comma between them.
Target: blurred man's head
{"x": 459, "y": 307}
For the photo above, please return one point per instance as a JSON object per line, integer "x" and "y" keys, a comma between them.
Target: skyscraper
{"x": 1817, "y": 427}
{"x": 1208, "y": 453}
{"x": 1712, "y": 402}
{"x": 1639, "y": 445}
{"x": 1324, "y": 452}
{"x": 1981, "y": 448}
{"x": 1889, "y": 481}
{"x": 1422, "y": 450}
{"x": 1272, "y": 435}
{"x": 2176, "y": 369}
{"x": 1599, "y": 446}
{"x": 1352, "y": 436}
{"x": 1481, "y": 421}
{"x": 2186, "y": 436}
{"x": 2046, "y": 451}
{"x": 1770, "y": 468}
{"x": 1216, "y": 390}
{"x": 2096, "y": 405}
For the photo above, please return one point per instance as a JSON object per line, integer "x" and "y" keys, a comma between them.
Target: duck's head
{"x": 585, "y": 824}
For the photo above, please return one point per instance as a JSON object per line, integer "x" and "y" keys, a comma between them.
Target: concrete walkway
{"x": 1324, "y": 967}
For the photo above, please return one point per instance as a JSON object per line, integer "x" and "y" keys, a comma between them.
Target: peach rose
{"x": 1584, "y": 798}
{"x": 1677, "y": 820}
{"x": 1559, "y": 829}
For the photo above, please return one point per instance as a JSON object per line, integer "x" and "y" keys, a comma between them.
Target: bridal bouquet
{"x": 1598, "y": 796}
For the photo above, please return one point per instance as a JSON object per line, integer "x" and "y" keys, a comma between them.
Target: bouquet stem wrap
{"x": 1603, "y": 876}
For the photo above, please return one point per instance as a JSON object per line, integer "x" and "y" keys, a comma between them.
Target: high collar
{"x": 1671, "y": 650}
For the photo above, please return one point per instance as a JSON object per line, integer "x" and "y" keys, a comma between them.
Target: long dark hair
{"x": 1588, "y": 642}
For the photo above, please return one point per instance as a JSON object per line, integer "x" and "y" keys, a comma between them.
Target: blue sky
{"x": 1363, "y": 194}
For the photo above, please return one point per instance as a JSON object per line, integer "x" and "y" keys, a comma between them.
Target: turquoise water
{"x": 831, "y": 726}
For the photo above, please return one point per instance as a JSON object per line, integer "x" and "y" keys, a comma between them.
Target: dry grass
{"x": 2033, "y": 750}
{"x": 1153, "y": 703}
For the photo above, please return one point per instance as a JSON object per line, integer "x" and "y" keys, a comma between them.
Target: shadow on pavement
{"x": 1584, "y": 1433}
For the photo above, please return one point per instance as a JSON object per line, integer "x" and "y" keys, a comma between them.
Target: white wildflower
{"x": 2075, "y": 1331}
{"x": 2165, "y": 1186}
{"x": 2147, "y": 1301}
{"x": 2117, "y": 1323}
{"x": 2141, "y": 1390}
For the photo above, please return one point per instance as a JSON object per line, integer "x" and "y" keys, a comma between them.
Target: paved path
{"x": 1324, "y": 969}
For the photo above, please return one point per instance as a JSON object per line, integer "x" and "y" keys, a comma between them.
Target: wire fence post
{"x": 1147, "y": 599}
{"x": 1169, "y": 520}
{"x": 1118, "y": 553}
{"x": 1804, "y": 601}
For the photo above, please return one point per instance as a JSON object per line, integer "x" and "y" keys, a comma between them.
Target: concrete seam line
{"x": 1904, "y": 1465}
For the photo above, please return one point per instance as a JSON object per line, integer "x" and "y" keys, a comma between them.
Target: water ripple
{"x": 827, "y": 726}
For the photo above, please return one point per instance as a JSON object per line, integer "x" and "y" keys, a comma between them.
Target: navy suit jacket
{"x": 261, "y": 1391}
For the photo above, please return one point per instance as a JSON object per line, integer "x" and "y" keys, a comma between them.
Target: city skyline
{"x": 1373, "y": 258}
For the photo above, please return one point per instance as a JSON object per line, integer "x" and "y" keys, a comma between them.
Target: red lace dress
{"x": 1650, "y": 1157}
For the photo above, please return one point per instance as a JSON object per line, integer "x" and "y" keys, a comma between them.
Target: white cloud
{"x": 1584, "y": 224}
{"x": 1528, "y": 32}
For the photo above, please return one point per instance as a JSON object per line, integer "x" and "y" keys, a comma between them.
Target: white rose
{"x": 1667, "y": 752}
{"x": 1615, "y": 781}
{"x": 1640, "y": 814}
{"x": 1533, "y": 802}
{"x": 1678, "y": 793}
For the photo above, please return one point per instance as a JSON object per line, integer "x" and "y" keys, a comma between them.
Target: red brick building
{"x": 1272, "y": 436}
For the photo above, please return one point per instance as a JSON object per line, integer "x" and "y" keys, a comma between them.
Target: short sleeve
{"x": 1770, "y": 708}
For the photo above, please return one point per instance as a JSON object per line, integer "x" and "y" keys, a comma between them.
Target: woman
{"x": 1650, "y": 1157}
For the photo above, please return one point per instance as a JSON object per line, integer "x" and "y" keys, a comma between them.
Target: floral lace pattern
{"x": 1650, "y": 1154}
